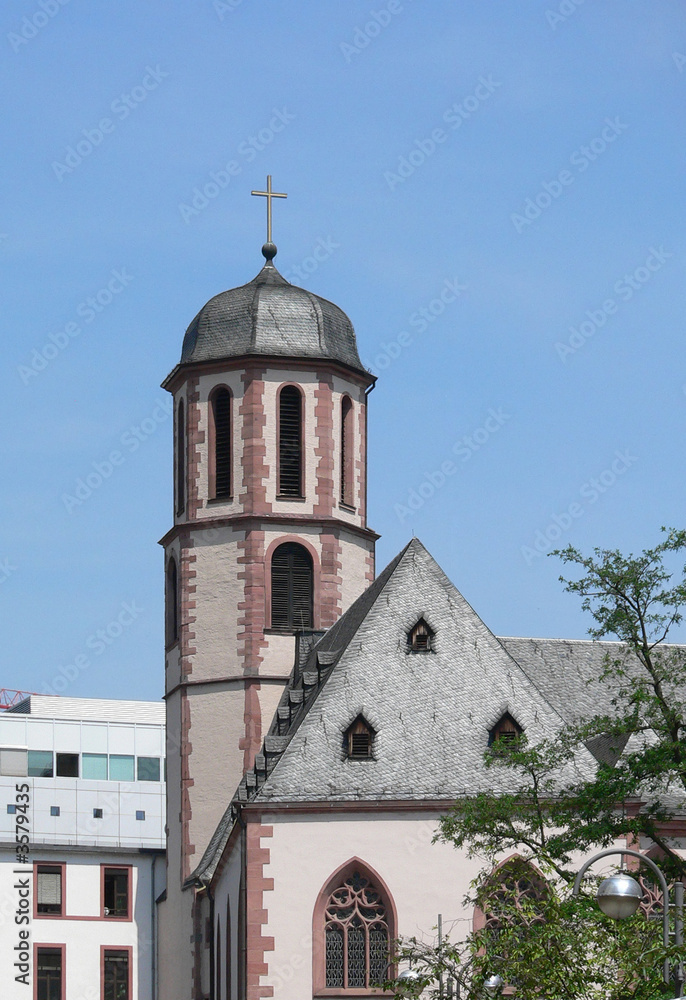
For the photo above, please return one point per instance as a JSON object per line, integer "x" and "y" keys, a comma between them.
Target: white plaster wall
{"x": 354, "y": 567}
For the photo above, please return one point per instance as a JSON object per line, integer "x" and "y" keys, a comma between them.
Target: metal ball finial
{"x": 269, "y": 251}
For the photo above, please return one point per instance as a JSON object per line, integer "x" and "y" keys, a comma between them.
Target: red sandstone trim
{"x": 181, "y": 372}
{"x": 62, "y": 948}
{"x": 331, "y": 581}
{"x": 249, "y": 521}
{"x": 251, "y": 638}
{"x": 360, "y": 468}
{"x": 115, "y": 947}
{"x": 257, "y": 944}
{"x": 194, "y": 437}
{"x": 253, "y": 497}
{"x": 324, "y": 447}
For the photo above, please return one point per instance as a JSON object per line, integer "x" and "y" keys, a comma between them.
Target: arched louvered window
{"x": 290, "y": 442}
{"x": 180, "y": 459}
{"x": 356, "y": 935}
{"x": 347, "y": 462}
{"x": 292, "y": 587}
{"x": 172, "y": 602}
{"x": 359, "y": 740}
{"x": 220, "y": 484}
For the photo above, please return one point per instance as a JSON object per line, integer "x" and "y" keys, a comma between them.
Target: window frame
{"x": 302, "y": 449}
{"x": 63, "y": 890}
{"x": 290, "y": 628}
{"x": 129, "y": 898}
{"x": 62, "y": 948}
{"x": 172, "y": 603}
{"x": 104, "y": 948}
{"x": 180, "y": 464}
{"x": 346, "y": 454}
{"x": 63, "y": 754}
{"x": 212, "y": 445}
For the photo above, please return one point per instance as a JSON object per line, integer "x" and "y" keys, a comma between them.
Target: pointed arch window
{"x": 513, "y": 899}
{"x": 172, "y": 603}
{"x": 347, "y": 497}
{"x": 292, "y": 587}
{"x": 357, "y": 933}
{"x": 505, "y": 732}
{"x": 180, "y": 459}
{"x": 220, "y": 427}
{"x": 420, "y": 638}
{"x": 290, "y": 442}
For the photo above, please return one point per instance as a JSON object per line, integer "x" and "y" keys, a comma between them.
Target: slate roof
{"x": 269, "y": 316}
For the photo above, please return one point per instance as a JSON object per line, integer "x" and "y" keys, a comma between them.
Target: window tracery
{"x": 356, "y": 935}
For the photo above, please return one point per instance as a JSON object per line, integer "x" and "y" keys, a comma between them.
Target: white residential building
{"x": 84, "y": 780}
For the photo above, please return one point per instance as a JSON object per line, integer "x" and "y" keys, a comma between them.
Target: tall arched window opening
{"x": 172, "y": 602}
{"x": 290, "y": 442}
{"x": 218, "y": 992}
{"x": 347, "y": 451}
{"x": 357, "y": 931}
{"x": 220, "y": 485}
{"x": 180, "y": 459}
{"x": 228, "y": 949}
{"x": 292, "y": 587}
{"x": 512, "y": 899}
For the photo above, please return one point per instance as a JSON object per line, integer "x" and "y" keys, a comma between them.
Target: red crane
{"x": 10, "y": 698}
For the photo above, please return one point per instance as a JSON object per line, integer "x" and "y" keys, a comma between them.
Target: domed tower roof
{"x": 269, "y": 316}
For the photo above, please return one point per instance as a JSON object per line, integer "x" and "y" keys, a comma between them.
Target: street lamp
{"x": 619, "y": 896}
{"x": 493, "y": 984}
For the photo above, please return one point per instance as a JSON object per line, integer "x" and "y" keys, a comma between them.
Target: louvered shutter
{"x": 290, "y": 442}
{"x": 221, "y": 404}
{"x": 49, "y": 890}
{"x": 291, "y": 587}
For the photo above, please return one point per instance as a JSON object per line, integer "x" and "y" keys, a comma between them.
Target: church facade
{"x": 320, "y": 718}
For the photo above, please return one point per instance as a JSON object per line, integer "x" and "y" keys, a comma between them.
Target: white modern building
{"x": 83, "y": 781}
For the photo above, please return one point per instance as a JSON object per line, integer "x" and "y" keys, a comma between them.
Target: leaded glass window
{"x": 514, "y": 898}
{"x": 357, "y": 935}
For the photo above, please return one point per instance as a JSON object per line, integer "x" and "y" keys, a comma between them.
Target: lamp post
{"x": 619, "y": 896}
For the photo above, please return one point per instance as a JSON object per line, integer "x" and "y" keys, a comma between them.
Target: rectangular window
{"x": 67, "y": 765}
{"x": 140, "y": 813}
{"x": 94, "y": 766}
{"x": 116, "y": 974}
{"x": 11, "y": 809}
{"x": 13, "y": 762}
{"x": 49, "y": 890}
{"x": 116, "y": 893}
{"x": 121, "y": 767}
{"x": 49, "y": 973}
{"x": 54, "y": 810}
{"x": 148, "y": 768}
{"x": 97, "y": 814}
{"x": 40, "y": 764}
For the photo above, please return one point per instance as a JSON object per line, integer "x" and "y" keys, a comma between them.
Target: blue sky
{"x": 496, "y": 194}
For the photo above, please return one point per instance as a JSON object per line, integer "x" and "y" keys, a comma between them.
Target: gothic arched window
{"x": 357, "y": 934}
{"x": 219, "y": 477}
{"x": 290, "y": 442}
{"x": 180, "y": 459}
{"x": 347, "y": 460}
{"x": 513, "y": 898}
{"x": 292, "y": 587}
{"x": 172, "y": 602}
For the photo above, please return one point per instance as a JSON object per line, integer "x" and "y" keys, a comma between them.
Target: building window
{"x": 172, "y": 603}
{"x": 292, "y": 587}
{"x": 11, "y": 809}
{"x": 140, "y": 813}
{"x": 513, "y": 897}
{"x": 218, "y": 960}
{"x": 347, "y": 458}
{"x": 116, "y": 974}
{"x": 290, "y": 442}
{"x": 97, "y": 813}
{"x": 67, "y": 765}
{"x": 49, "y": 973}
{"x": 180, "y": 459}
{"x": 228, "y": 950}
{"x": 115, "y": 892}
{"x": 505, "y": 732}
{"x": 121, "y": 767}
{"x": 356, "y": 935}
{"x": 54, "y": 810}
{"x": 219, "y": 478}
{"x": 359, "y": 740}
{"x": 94, "y": 766}
{"x": 148, "y": 768}
{"x": 420, "y": 638}
{"x": 40, "y": 764}
{"x": 13, "y": 763}
{"x": 49, "y": 890}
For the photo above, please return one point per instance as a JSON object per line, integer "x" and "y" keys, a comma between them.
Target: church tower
{"x": 269, "y": 544}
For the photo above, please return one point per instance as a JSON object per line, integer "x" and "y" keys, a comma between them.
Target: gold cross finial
{"x": 269, "y": 194}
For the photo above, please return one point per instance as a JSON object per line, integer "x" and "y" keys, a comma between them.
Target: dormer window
{"x": 420, "y": 638}
{"x": 359, "y": 740}
{"x": 505, "y": 732}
